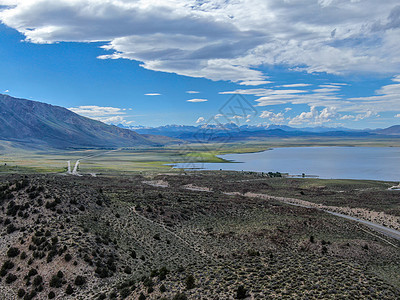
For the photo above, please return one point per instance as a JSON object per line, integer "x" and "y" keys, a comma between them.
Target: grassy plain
{"x": 155, "y": 159}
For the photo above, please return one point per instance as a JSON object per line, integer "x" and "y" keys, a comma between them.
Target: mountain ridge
{"x": 215, "y": 133}
{"x": 34, "y": 122}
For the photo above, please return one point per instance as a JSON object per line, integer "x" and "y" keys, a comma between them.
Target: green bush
{"x": 32, "y": 272}
{"x": 55, "y": 282}
{"x": 69, "y": 290}
{"x": 241, "y": 292}
{"x": 80, "y": 280}
{"x": 37, "y": 280}
{"x": 125, "y": 293}
{"x": 7, "y": 265}
{"x": 21, "y": 293}
{"x": 11, "y": 228}
{"x": 13, "y": 252}
{"x": 11, "y": 278}
{"x": 67, "y": 257}
{"x": 180, "y": 296}
{"x": 162, "y": 274}
{"x": 190, "y": 282}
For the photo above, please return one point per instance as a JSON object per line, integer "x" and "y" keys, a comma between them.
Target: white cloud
{"x": 386, "y": 99}
{"x": 197, "y": 100}
{"x": 288, "y": 109}
{"x": 6, "y": 91}
{"x": 334, "y": 36}
{"x": 192, "y": 92}
{"x": 347, "y": 117}
{"x": 95, "y": 111}
{"x": 115, "y": 120}
{"x": 314, "y": 116}
{"x": 200, "y": 120}
{"x": 217, "y": 116}
{"x": 366, "y": 115}
{"x": 397, "y": 116}
{"x": 255, "y": 82}
{"x": 152, "y": 94}
{"x": 294, "y": 85}
{"x": 274, "y": 118}
{"x": 110, "y": 115}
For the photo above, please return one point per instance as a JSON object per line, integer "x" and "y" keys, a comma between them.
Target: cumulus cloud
{"x": 197, "y": 100}
{"x": 275, "y": 118}
{"x": 200, "y": 120}
{"x": 110, "y": 115}
{"x": 314, "y": 116}
{"x": 347, "y": 117}
{"x": 366, "y": 115}
{"x": 152, "y": 94}
{"x": 6, "y": 91}
{"x": 192, "y": 92}
{"x": 333, "y": 36}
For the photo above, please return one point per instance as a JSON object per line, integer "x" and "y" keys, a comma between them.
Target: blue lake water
{"x": 375, "y": 163}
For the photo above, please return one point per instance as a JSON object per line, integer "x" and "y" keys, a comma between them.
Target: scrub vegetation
{"x": 106, "y": 237}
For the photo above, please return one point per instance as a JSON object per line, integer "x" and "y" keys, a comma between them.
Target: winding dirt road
{"x": 342, "y": 212}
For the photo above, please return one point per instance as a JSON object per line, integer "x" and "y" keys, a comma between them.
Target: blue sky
{"x": 299, "y": 63}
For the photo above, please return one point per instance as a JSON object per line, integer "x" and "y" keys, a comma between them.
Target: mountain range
{"x": 233, "y": 132}
{"x": 36, "y": 123}
{"x": 33, "y": 124}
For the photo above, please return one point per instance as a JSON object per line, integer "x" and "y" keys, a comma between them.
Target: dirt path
{"x": 379, "y": 218}
{"x": 192, "y": 187}
{"x": 344, "y": 212}
{"x": 157, "y": 183}
{"x": 381, "y": 222}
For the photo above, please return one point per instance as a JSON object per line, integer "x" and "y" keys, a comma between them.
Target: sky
{"x": 151, "y": 62}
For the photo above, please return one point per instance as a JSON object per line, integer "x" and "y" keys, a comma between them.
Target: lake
{"x": 375, "y": 163}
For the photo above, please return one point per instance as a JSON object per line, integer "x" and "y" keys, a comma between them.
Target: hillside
{"x": 66, "y": 237}
{"x": 393, "y": 130}
{"x": 36, "y": 123}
